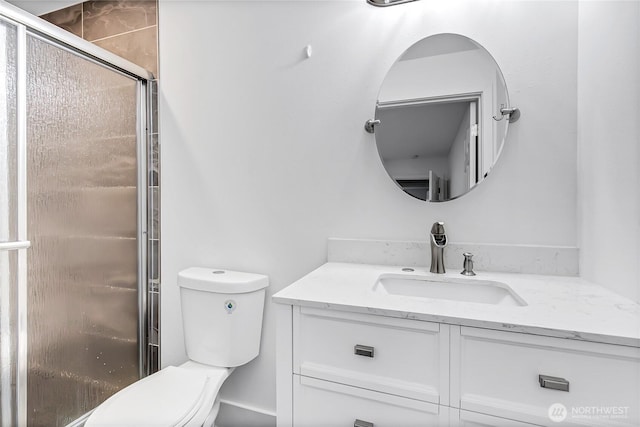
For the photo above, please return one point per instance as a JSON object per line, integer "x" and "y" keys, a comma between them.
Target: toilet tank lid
{"x": 221, "y": 281}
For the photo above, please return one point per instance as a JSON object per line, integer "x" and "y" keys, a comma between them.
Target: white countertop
{"x": 565, "y": 307}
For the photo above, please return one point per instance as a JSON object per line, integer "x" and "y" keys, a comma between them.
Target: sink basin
{"x": 447, "y": 288}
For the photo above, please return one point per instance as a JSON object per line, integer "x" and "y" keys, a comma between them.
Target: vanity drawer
{"x": 460, "y": 418}
{"x": 327, "y": 404}
{"x": 397, "y": 356}
{"x": 498, "y": 373}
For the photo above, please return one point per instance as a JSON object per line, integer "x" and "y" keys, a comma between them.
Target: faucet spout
{"x": 438, "y": 242}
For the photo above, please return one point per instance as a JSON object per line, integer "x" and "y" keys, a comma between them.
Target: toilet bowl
{"x": 222, "y": 319}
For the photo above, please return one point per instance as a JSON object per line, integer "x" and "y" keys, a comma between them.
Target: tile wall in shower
{"x": 127, "y": 28}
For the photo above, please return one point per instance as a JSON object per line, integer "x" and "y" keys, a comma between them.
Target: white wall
{"x": 441, "y": 75}
{"x": 264, "y": 155}
{"x": 609, "y": 144}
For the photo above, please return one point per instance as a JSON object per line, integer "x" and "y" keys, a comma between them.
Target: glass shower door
{"x": 82, "y": 198}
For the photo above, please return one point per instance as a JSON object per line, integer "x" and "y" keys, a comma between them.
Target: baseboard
{"x": 235, "y": 414}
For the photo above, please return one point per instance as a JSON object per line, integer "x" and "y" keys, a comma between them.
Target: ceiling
{"x": 37, "y": 7}
{"x": 441, "y": 44}
{"x": 425, "y": 130}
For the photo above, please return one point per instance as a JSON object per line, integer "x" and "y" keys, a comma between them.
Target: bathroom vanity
{"x": 369, "y": 345}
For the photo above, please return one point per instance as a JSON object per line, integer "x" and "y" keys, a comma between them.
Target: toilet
{"x": 222, "y": 321}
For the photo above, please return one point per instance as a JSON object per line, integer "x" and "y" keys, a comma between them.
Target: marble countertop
{"x": 558, "y": 306}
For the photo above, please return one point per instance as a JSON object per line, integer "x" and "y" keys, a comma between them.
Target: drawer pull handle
{"x": 360, "y": 423}
{"x": 363, "y": 350}
{"x": 553, "y": 383}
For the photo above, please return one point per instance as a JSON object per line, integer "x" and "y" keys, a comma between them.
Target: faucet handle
{"x": 438, "y": 236}
{"x": 467, "y": 266}
{"x": 437, "y": 228}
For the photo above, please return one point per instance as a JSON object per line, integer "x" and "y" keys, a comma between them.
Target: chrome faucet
{"x": 438, "y": 242}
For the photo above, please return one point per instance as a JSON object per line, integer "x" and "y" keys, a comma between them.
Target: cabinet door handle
{"x": 360, "y": 423}
{"x": 553, "y": 383}
{"x": 363, "y": 350}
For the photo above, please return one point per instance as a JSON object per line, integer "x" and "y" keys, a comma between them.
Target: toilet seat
{"x": 172, "y": 397}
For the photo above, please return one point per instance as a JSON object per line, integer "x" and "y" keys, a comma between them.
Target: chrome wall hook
{"x": 370, "y": 125}
{"x": 513, "y": 114}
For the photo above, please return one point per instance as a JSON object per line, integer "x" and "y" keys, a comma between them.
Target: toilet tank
{"x": 221, "y": 315}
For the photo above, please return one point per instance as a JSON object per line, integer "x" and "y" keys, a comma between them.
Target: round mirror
{"x": 441, "y": 128}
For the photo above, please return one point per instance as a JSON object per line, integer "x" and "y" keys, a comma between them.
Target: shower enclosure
{"x": 78, "y": 233}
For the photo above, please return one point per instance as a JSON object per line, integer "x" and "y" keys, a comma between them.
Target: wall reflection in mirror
{"x": 437, "y": 135}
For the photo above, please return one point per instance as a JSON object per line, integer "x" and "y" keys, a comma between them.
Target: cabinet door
{"x": 402, "y": 357}
{"x": 328, "y": 404}
{"x": 499, "y": 373}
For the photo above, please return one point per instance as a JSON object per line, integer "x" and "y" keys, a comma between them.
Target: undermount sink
{"x": 447, "y": 288}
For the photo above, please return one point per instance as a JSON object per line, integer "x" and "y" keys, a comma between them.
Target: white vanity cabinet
{"x": 363, "y": 370}
{"x": 326, "y": 403}
{"x": 462, "y": 418}
{"x": 338, "y": 368}
{"x": 394, "y": 356}
{"x": 503, "y": 374}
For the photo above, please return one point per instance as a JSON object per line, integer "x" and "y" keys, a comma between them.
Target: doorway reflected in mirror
{"x": 437, "y": 136}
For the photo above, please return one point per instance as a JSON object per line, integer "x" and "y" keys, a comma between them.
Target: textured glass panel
{"x": 8, "y": 335}
{"x": 8, "y": 134}
{"x": 82, "y": 222}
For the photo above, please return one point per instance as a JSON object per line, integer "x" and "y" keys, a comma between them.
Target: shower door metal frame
{"x": 27, "y": 24}
{"x": 21, "y": 244}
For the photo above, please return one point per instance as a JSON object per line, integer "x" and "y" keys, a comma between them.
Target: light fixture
{"x": 383, "y": 3}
